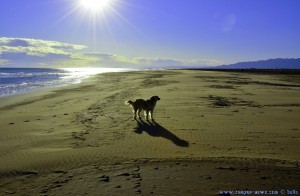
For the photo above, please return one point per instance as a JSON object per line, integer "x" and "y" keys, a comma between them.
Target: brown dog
{"x": 146, "y": 105}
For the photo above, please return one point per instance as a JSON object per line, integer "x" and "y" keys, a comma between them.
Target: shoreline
{"x": 7, "y": 99}
{"x": 74, "y": 75}
{"x": 15, "y": 99}
{"x": 224, "y": 122}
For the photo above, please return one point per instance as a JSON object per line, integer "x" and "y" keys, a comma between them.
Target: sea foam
{"x": 23, "y": 80}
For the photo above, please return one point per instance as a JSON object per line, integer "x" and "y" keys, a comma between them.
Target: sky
{"x": 146, "y": 33}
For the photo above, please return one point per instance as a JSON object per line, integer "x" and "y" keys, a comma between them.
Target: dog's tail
{"x": 128, "y": 102}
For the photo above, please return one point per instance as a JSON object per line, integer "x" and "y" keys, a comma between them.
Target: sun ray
{"x": 93, "y": 14}
{"x": 116, "y": 13}
{"x": 70, "y": 12}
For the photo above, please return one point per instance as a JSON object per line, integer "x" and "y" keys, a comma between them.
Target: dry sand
{"x": 214, "y": 131}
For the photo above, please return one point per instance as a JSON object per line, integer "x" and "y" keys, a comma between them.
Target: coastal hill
{"x": 265, "y": 64}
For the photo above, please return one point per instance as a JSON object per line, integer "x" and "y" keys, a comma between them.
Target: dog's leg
{"x": 134, "y": 113}
{"x": 147, "y": 116}
{"x": 151, "y": 113}
{"x": 139, "y": 113}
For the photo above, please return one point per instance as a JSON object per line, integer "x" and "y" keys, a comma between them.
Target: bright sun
{"x": 95, "y": 4}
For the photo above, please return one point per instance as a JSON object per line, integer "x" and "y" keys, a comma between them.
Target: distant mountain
{"x": 265, "y": 64}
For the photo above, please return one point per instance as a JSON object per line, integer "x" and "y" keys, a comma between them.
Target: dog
{"x": 146, "y": 105}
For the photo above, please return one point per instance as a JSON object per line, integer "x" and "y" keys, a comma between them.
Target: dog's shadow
{"x": 156, "y": 130}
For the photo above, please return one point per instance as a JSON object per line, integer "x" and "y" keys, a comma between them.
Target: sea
{"x": 23, "y": 80}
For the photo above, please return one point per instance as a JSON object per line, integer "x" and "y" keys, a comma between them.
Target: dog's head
{"x": 155, "y": 98}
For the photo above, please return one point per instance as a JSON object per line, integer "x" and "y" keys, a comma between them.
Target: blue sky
{"x": 136, "y": 33}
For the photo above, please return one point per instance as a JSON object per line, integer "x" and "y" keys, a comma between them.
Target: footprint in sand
{"x": 104, "y": 178}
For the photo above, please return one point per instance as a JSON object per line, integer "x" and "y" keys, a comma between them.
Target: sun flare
{"x": 95, "y": 4}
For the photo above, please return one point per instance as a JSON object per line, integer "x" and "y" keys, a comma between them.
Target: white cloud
{"x": 36, "y": 47}
{"x": 26, "y": 52}
{"x": 37, "y": 52}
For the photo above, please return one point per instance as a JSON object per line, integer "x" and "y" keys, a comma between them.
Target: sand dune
{"x": 214, "y": 131}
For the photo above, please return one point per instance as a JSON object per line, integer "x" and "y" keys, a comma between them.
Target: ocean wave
{"x": 17, "y": 80}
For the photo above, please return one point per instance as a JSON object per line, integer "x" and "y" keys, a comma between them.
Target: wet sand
{"x": 214, "y": 131}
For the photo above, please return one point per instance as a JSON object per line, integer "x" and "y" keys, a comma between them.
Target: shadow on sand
{"x": 156, "y": 130}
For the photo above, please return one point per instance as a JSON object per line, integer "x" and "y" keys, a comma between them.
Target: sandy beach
{"x": 214, "y": 131}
